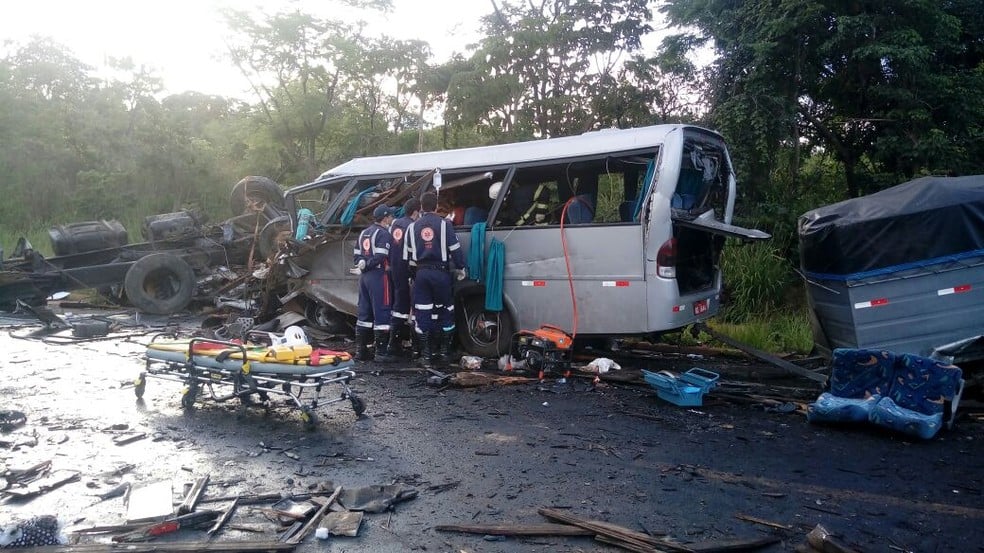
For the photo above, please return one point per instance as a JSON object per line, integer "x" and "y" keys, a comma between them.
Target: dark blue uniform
{"x": 429, "y": 246}
{"x": 400, "y": 270}
{"x": 375, "y": 294}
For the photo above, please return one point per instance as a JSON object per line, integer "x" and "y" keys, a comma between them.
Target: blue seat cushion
{"x": 889, "y": 414}
{"x": 831, "y": 408}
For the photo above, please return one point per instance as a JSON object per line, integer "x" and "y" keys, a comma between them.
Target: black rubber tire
{"x": 358, "y": 406}
{"x": 268, "y": 243}
{"x": 160, "y": 284}
{"x": 325, "y": 317}
{"x": 309, "y": 418}
{"x": 140, "y": 385}
{"x": 189, "y": 396}
{"x": 257, "y": 188}
{"x": 480, "y": 332}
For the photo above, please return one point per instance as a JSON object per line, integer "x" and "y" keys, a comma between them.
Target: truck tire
{"x": 160, "y": 284}
{"x": 255, "y": 189}
{"x": 481, "y": 332}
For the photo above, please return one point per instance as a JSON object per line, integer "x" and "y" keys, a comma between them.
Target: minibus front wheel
{"x": 483, "y": 332}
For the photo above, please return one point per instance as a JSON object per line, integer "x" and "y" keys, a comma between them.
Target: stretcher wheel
{"x": 358, "y": 405}
{"x": 188, "y": 396}
{"x": 139, "y": 385}
{"x": 309, "y": 418}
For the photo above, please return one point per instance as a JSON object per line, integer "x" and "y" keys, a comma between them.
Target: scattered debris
{"x": 194, "y": 495}
{"x": 546, "y": 529}
{"x": 763, "y": 522}
{"x": 153, "y": 502}
{"x": 376, "y": 499}
{"x": 602, "y": 365}
{"x": 118, "y": 491}
{"x": 10, "y": 420}
{"x": 345, "y": 523}
{"x": 820, "y": 540}
{"x": 472, "y": 379}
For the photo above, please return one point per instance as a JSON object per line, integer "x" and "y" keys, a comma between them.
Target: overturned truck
{"x": 901, "y": 269}
{"x": 161, "y": 275}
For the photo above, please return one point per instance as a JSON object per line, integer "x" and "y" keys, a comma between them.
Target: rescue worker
{"x": 401, "y": 329}
{"x": 372, "y": 261}
{"x": 429, "y": 247}
{"x": 526, "y": 204}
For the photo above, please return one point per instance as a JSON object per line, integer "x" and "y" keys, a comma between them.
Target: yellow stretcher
{"x": 229, "y": 370}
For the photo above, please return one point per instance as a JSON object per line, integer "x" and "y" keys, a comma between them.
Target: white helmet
{"x": 494, "y": 190}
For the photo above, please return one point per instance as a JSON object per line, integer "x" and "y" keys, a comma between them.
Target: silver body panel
{"x": 915, "y": 311}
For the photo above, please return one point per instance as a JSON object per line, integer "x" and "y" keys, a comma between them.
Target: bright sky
{"x": 182, "y": 39}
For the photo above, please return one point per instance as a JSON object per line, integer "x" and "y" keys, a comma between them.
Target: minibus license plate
{"x": 701, "y": 306}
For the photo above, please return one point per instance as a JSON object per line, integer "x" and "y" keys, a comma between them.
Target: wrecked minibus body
{"x": 626, "y": 240}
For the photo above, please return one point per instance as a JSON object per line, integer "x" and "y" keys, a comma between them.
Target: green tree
{"x": 885, "y": 86}
{"x": 540, "y": 64}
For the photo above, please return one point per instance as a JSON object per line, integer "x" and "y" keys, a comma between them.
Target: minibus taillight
{"x": 666, "y": 259}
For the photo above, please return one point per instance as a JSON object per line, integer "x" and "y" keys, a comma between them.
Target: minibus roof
{"x": 589, "y": 143}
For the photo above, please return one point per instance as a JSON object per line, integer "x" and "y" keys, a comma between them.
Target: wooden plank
{"x": 194, "y": 495}
{"x": 167, "y": 547}
{"x": 628, "y": 546}
{"x": 767, "y": 357}
{"x": 315, "y": 519}
{"x": 762, "y": 521}
{"x": 613, "y": 531}
{"x": 226, "y": 515}
{"x": 546, "y": 529}
{"x": 736, "y": 544}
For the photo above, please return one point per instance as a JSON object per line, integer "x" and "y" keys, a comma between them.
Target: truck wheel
{"x": 159, "y": 283}
{"x": 272, "y": 236}
{"x": 253, "y": 192}
{"x": 481, "y": 332}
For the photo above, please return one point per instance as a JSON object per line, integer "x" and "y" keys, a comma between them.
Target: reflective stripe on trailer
{"x": 614, "y": 283}
{"x": 954, "y": 290}
{"x": 535, "y": 283}
{"x": 872, "y": 303}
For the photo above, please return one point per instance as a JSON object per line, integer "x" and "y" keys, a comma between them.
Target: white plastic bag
{"x": 602, "y": 365}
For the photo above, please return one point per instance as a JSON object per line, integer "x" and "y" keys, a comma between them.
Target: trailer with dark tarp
{"x": 901, "y": 269}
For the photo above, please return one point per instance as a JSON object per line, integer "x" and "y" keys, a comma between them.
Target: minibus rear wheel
{"x": 482, "y": 332}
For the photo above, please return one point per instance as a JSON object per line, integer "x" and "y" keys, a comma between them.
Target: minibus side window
{"x": 600, "y": 191}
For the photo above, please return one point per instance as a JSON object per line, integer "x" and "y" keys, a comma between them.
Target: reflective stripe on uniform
{"x": 381, "y": 327}
{"x": 410, "y": 246}
{"x": 424, "y": 306}
{"x": 444, "y": 241}
{"x": 364, "y": 324}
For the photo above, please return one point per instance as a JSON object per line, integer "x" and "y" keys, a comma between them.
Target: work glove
{"x": 359, "y": 267}
{"x": 460, "y": 274}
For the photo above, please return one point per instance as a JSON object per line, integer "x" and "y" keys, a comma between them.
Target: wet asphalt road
{"x": 490, "y": 455}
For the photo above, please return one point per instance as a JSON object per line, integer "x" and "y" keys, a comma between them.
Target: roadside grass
{"x": 786, "y": 332}
{"x": 777, "y": 333}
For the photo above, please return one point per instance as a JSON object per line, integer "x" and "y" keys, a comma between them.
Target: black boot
{"x": 426, "y": 350}
{"x": 363, "y": 336}
{"x": 382, "y": 347}
{"x": 414, "y": 338}
{"x": 396, "y": 339}
{"x": 444, "y": 339}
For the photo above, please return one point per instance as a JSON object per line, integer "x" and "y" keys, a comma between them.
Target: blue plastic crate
{"x": 685, "y": 390}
